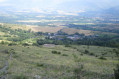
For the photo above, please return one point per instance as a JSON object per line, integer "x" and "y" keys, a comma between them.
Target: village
{"x": 61, "y": 36}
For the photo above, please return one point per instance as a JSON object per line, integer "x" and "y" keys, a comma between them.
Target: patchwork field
{"x": 46, "y": 29}
{"x": 73, "y": 31}
{"x": 2, "y": 33}
{"x": 15, "y": 27}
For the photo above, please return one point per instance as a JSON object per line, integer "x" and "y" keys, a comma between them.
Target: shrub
{"x": 58, "y": 52}
{"x": 9, "y": 51}
{"x": 81, "y": 54}
{"x": 6, "y": 51}
{"x": 35, "y": 44}
{"x": 55, "y": 52}
{"x": 15, "y": 55}
{"x": 64, "y": 55}
{"x": 102, "y": 58}
{"x": 104, "y": 53}
{"x": 78, "y": 50}
{"x": 67, "y": 45}
{"x": 2, "y": 42}
{"x": 76, "y": 59}
{"x": 96, "y": 55}
{"x": 78, "y": 71}
{"x": 116, "y": 72}
{"x": 79, "y": 67}
{"x": 74, "y": 48}
{"x": 20, "y": 77}
{"x": 86, "y": 52}
{"x": 11, "y": 44}
{"x": 39, "y": 64}
{"x": 25, "y": 44}
{"x": 92, "y": 54}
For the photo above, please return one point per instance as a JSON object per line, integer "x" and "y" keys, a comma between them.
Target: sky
{"x": 59, "y": 5}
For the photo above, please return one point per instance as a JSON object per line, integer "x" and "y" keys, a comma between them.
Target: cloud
{"x": 2, "y": 0}
{"x": 71, "y": 5}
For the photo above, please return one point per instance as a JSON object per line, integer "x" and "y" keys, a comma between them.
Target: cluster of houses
{"x": 61, "y": 36}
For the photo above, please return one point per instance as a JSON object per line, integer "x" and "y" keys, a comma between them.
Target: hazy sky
{"x": 64, "y": 5}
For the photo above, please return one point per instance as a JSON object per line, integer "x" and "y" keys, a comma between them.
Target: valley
{"x": 45, "y": 46}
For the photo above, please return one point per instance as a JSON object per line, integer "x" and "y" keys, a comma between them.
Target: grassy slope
{"x": 31, "y": 61}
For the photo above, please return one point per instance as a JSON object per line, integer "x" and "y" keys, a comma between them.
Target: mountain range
{"x": 113, "y": 11}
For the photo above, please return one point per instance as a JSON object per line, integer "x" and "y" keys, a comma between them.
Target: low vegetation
{"x": 59, "y": 62}
{"x": 116, "y": 72}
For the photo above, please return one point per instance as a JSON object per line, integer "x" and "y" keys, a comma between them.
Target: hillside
{"x": 41, "y": 62}
{"x": 104, "y": 13}
{"x": 59, "y": 39}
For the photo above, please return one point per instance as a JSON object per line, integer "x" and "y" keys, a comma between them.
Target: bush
{"x": 116, "y": 72}
{"x": 96, "y": 55}
{"x": 64, "y": 55}
{"x": 15, "y": 55}
{"x": 86, "y": 52}
{"x": 92, "y": 54}
{"x": 76, "y": 58}
{"x": 35, "y": 44}
{"x": 25, "y": 44}
{"x": 104, "y": 53}
{"x": 2, "y": 42}
{"x": 11, "y": 44}
{"x": 39, "y": 64}
{"x": 102, "y": 58}
{"x": 6, "y": 51}
{"x": 79, "y": 67}
{"x": 67, "y": 45}
{"x": 81, "y": 54}
{"x": 78, "y": 71}
{"x": 9, "y": 51}
{"x": 20, "y": 77}
{"x": 55, "y": 52}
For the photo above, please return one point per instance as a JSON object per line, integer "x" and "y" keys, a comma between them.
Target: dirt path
{"x": 3, "y": 71}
